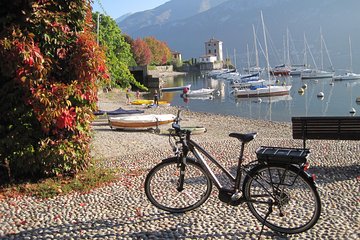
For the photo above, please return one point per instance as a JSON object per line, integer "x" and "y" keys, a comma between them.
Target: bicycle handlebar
{"x": 177, "y": 127}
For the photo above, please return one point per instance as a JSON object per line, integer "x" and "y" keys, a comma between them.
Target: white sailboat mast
{"x": 248, "y": 58}
{"x": 235, "y": 58}
{"x": 256, "y": 50}
{"x": 266, "y": 47}
{"x": 327, "y": 52}
{"x": 305, "y": 55}
{"x": 351, "y": 63}
{"x": 321, "y": 50}
{"x": 288, "y": 47}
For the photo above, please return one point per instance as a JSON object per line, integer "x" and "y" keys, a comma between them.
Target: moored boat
{"x": 347, "y": 76}
{"x": 199, "y": 92}
{"x": 246, "y": 84}
{"x": 280, "y": 70}
{"x": 174, "y": 89}
{"x": 316, "y": 74}
{"x": 262, "y": 91}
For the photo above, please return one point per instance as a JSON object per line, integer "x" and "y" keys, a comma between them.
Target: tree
{"x": 142, "y": 52}
{"x": 128, "y": 39}
{"x": 161, "y": 53}
{"x": 49, "y": 70}
{"x": 118, "y": 52}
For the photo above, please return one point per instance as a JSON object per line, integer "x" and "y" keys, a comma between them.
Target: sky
{"x": 117, "y": 8}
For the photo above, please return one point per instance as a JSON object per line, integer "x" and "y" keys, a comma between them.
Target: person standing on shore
{"x": 137, "y": 94}
{"x": 156, "y": 98}
{"x": 127, "y": 94}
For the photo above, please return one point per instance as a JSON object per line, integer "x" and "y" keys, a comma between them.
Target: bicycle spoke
{"x": 296, "y": 205}
{"x": 162, "y": 187}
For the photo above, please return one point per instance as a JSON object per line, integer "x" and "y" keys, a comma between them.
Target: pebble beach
{"x": 120, "y": 210}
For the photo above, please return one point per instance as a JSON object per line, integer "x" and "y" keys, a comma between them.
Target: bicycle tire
{"x": 162, "y": 181}
{"x": 297, "y": 205}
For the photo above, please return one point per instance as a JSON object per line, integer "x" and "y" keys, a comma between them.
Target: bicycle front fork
{"x": 182, "y": 174}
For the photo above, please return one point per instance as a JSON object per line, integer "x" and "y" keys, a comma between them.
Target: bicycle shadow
{"x": 122, "y": 229}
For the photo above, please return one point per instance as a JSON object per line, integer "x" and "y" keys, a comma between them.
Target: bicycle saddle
{"x": 243, "y": 137}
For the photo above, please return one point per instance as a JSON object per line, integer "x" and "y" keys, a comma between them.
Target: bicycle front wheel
{"x": 283, "y": 198}
{"x": 162, "y": 186}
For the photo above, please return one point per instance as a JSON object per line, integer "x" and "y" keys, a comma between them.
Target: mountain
{"x": 170, "y": 11}
{"x": 185, "y": 26}
{"x": 121, "y": 18}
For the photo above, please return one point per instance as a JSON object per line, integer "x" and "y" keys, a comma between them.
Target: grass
{"x": 83, "y": 182}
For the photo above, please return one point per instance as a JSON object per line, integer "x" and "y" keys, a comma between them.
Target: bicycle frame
{"x": 197, "y": 150}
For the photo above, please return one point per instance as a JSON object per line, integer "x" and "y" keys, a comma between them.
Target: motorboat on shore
{"x": 119, "y": 111}
{"x": 141, "y": 121}
{"x": 148, "y": 102}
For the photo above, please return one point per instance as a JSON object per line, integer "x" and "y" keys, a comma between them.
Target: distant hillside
{"x": 119, "y": 19}
{"x": 170, "y": 11}
{"x": 185, "y": 25}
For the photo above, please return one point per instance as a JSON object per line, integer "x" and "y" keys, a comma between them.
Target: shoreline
{"x": 214, "y": 123}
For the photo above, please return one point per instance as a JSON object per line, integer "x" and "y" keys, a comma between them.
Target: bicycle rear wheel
{"x": 162, "y": 186}
{"x": 282, "y": 197}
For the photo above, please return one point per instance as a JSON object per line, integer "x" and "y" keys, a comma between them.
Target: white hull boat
{"x": 347, "y": 76}
{"x": 199, "y": 92}
{"x": 262, "y": 91}
{"x": 174, "y": 89}
{"x": 316, "y": 74}
{"x": 141, "y": 121}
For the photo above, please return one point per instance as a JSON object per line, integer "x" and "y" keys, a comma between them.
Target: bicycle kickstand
{"x": 266, "y": 216}
{"x": 157, "y": 129}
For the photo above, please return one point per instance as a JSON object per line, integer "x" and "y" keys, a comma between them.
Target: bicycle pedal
{"x": 236, "y": 196}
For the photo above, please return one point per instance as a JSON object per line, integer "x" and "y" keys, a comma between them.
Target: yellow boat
{"x": 148, "y": 102}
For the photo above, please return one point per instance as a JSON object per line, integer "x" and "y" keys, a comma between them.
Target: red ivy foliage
{"x": 51, "y": 62}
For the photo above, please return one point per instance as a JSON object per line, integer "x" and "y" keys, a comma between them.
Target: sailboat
{"x": 256, "y": 68}
{"x": 349, "y": 75}
{"x": 295, "y": 69}
{"x": 263, "y": 90}
{"x": 316, "y": 73}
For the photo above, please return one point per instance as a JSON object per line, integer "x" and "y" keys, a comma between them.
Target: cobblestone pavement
{"x": 121, "y": 210}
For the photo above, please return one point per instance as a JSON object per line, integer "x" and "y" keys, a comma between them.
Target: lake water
{"x": 338, "y": 99}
